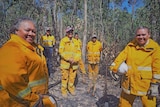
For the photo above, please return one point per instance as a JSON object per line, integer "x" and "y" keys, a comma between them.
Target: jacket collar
{"x": 21, "y": 41}
{"x": 148, "y": 46}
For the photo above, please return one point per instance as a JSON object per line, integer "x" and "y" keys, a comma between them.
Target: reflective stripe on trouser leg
{"x": 64, "y": 80}
{"x": 72, "y": 75}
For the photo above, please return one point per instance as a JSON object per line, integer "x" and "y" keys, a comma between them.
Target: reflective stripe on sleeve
{"x": 38, "y": 82}
{"x": 141, "y": 93}
{"x": 47, "y": 40}
{"x": 1, "y": 88}
{"x": 141, "y": 68}
{"x": 24, "y": 92}
{"x": 27, "y": 90}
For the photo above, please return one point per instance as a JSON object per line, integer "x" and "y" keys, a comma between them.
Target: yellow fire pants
{"x": 126, "y": 100}
{"x": 93, "y": 73}
{"x": 67, "y": 81}
{"x": 81, "y": 66}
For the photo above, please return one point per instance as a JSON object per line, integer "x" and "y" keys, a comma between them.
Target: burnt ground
{"x": 106, "y": 95}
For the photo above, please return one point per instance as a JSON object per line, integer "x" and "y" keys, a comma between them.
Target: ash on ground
{"x": 106, "y": 95}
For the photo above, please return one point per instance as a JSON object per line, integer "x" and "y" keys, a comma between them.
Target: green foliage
{"x": 148, "y": 16}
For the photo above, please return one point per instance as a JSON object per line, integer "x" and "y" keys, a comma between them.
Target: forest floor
{"x": 85, "y": 99}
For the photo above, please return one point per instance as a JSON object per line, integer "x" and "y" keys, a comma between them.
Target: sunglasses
{"x": 70, "y": 32}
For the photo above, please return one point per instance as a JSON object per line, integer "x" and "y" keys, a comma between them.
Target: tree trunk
{"x": 54, "y": 18}
{"x": 102, "y": 26}
{"x": 85, "y": 30}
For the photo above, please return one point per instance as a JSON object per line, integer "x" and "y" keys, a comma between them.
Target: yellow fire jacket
{"x": 23, "y": 74}
{"x": 79, "y": 44}
{"x": 143, "y": 64}
{"x": 69, "y": 49}
{"x": 94, "y": 51}
{"x": 47, "y": 41}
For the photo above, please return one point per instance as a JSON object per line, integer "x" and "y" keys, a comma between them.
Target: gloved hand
{"x": 153, "y": 90}
{"x": 49, "y": 102}
{"x": 72, "y": 61}
{"x": 46, "y": 100}
{"x": 39, "y": 103}
{"x": 123, "y": 68}
{"x": 114, "y": 75}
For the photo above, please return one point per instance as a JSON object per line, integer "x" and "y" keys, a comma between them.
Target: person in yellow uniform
{"x": 81, "y": 64}
{"x": 48, "y": 43}
{"x": 70, "y": 54}
{"x": 23, "y": 71}
{"x": 94, "y": 48}
{"x": 139, "y": 63}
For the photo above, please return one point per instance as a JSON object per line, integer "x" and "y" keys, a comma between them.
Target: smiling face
{"x": 142, "y": 36}
{"x": 70, "y": 34}
{"x": 27, "y": 31}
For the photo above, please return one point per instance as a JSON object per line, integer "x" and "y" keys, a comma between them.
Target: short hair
{"x": 17, "y": 23}
{"x": 143, "y": 27}
{"x": 75, "y": 33}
